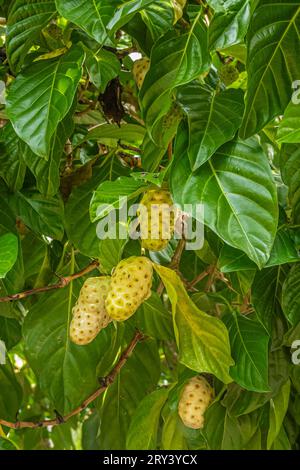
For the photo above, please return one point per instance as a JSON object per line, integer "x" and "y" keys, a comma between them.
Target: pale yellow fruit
{"x": 130, "y": 285}
{"x": 156, "y": 215}
{"x": 196, "y": 396}
{"x": 89, "y": 313}
{"x": 140, "y": 70}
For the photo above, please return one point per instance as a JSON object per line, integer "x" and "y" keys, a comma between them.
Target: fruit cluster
{"x": 196, "y": 396}
{"x": 104, "y": 299}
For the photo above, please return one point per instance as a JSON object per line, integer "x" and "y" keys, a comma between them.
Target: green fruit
{"x": 140, "y": 70}
{"x": 156, "y": 217}
{"x": 89, "y": 313}
{"x": 196, "y": 396}
{"x": 130, "y": 285}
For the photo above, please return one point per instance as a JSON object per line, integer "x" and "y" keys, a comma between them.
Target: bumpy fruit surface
{"x": 196, "y": 396}
{"x": 130, "y": 286}
{"x": 140, "y": 70}
{"x": 89, "y": 314}
{"x": 156, "y": 219}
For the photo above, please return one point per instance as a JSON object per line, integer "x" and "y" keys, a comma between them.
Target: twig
{"x": 105, "y": 383}
{"x": 63, "y": 282}
{"x": 198, "y": 278}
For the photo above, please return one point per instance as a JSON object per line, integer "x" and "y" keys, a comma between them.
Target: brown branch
{"x": 63, "y": 282}
{"x": 105, "y": 383}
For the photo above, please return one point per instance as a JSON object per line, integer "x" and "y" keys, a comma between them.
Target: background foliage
{"x": 217, "y": 121}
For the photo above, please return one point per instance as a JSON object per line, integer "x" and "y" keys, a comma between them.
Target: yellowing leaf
{"x": 202, "y": 340}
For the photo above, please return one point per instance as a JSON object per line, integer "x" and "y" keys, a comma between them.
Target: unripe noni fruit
{"x": 130, "y": 285}
{"x": 156, "y": 216}
{"x": 196, "y": 396}
{"x": 89, "y": 314}
{"x": 140, "y": 70}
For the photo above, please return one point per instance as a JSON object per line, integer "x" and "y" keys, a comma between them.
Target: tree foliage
{"x": 214, "y": 120}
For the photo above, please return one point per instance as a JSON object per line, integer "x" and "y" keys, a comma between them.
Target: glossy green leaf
{"x": 9, "y": 247}
{"x": 229, "y": 27}
{"x": 214, "y": 118}
{"x": 173, "y": 433}
{"x": 107, "y": 133}
{"x": 90, "y": 15}
{"x": 202, "y": 340}
{"x": 119, "y": 407}
{"x": 175, "y": 60}
{"x": 249, "y": 346}
{"x": 45, "y": 216}
{"x": 266, "y": 294}
{"x": 278, "y": 410}
{"x": 238, "y": 193}
{"x": 11, "y": 392}
{"x": 47, "y": 172}
{"x": 142, "y": 433}
{"x": 154, "y": 319}
{"x": 290, "y": 171}
{"x": 291, "y": 295}
{"x": 272, "y": 63}
{"x": 111, "y": 195}
{"x": 10, "y": 332}
{"x": 125, "y": 12}
{"x": 283, "y": 251}
{"x": 41, "y": 96}
{"x": 12, "y": 165}
{"x": 289, "y": 127}
{"x": 158, "y": 17}
{"x": 25, "y": 21}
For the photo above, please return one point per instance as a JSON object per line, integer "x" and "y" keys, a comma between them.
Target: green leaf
{"x": 110, "y": 194}
{"x": 249, "y": 346}
{"x": 41, "y": 96}
{"x": 291, "y": 295}
{"x": 12, "y": 165}
{"x": 154, "y": 319}
{"x": 278, "y": 410}
{"x": 56, "y": 361}
{"x": 9, "y": 247}
{"x": 229, "y": 27}
{"x": 10, "y": 332}
{"x": 224, "y": 432}
{"x": 173, "y": 433}
{"x": 289, "y": 127}
{"x": 24, "y": 24}
{"x": 108, "y": 132}
{"x": 137, "y": 379}
{"x": 142, "y": 433}
{"x": 266, "y": 294}
{"x": 175, "y": 60}
{"x": 47, "y": 172}
{"x": 158, "y": 17}
{"x": 90, "y": 15}
{"x": 272, "y": 63}
{"x": 45, "y": 216}
{"x": 6, "y": 444}
{"x": 102, "y": 67}
{"x": 283, "y": 251}
{"x": 214, "y": 118}
{"x": 11, "y": 392}
{"x": 238, "y": 193}
{"x": 202, "y": 340}
{"x": 290, "y": 171}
